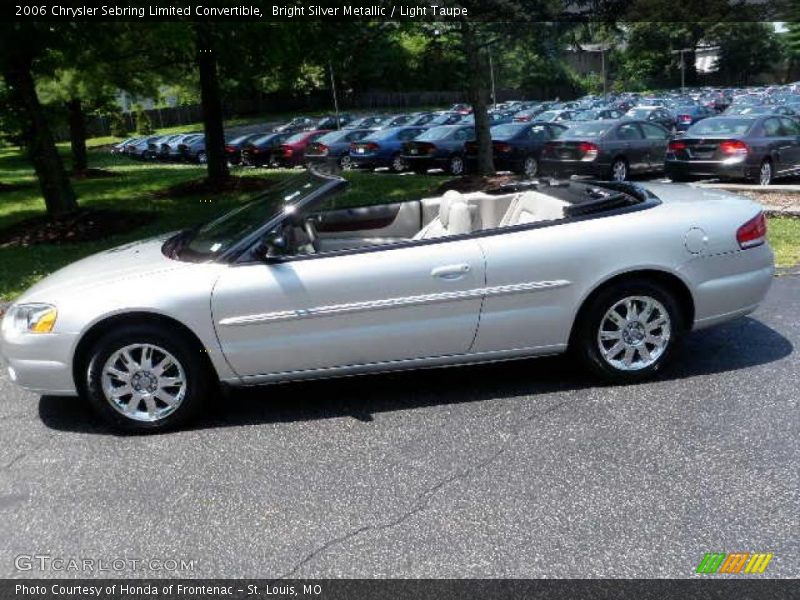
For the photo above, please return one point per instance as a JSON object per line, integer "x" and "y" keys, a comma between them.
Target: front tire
{"x": 628, "y": 331}
{"x": 455, "y": 166}
{"x": 142, "y": 378}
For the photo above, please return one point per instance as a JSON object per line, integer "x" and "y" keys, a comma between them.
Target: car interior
{"x": 453, "y": 213}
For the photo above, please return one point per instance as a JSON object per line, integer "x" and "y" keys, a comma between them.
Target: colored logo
{"x": 739, "y": 562}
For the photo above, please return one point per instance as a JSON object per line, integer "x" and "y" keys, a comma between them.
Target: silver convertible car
{"x": 289, "y": 287}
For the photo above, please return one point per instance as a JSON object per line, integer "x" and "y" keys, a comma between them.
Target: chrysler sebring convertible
{"x": 286, "y": 288}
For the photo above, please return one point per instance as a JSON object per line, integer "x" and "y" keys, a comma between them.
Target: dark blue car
{"x": 518, "y": 146}
{"x": 334, "y": 147}
{"x": 686, "y": 116}
{"x": 439, "y": 147}
{"x": 383, "y": 148}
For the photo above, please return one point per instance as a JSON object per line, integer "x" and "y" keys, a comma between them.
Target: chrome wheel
{"x": 144, "y": 382}
{"x": 202, "y": 158}
{"x": 765, "y": 173}
{"x": 398, "y": 164}
{"x": 456, "y": 165}
{"x": 634, "y": 333}
{"x": 619, "y": 170}
{"x": 530, "y": 167}
{"x": 346, "y": 163}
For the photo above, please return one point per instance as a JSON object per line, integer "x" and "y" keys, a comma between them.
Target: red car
{"x": 292, "y": 152}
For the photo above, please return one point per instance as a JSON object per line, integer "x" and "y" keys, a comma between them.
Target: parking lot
{"x": 524, "y": 469}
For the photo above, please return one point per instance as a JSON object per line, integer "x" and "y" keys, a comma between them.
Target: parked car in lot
{"x": 155, "y": 144}
{"x": 139, "y": 147}
{"x": 686, "y": 116}
{"x": 334, "y": 147}
{"x": 597, "y": 114}
{"x": 333, "y": 122}
{"x": 517, "y": 146}
{"x": 296, "y": 124}
{"x": 760, "y": 148}
{"x": 439, "y": 147}
{"x": 464, "y": 109}
{"x": 194, "y": 150}
{"x": 119, "y": 148}
{"x": 280, "y": 289}
{"x": 291, "y": 153}
{"x": 233, "y": 147}
{"x": 170, "y": 150}
{"x": 761, "y": 109}
{"x": 607, "y": 150}
{"x": 446, "y": 118}
{"x": 653, "y": 114}
{"x": 554, "y": 116}
{"x": 264, "y": 150}
{"x": 369, "y": 122}
{"x": 383, "y": 148}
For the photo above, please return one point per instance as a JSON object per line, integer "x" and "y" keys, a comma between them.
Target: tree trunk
{"x": 59, "y": 197}
{"x": 476, "y": 93}
{"x": 211, "y": 104}
{"x": 77, "y": 135}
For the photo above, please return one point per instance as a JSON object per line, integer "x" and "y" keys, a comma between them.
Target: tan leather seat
{"x": 532, "y": 207}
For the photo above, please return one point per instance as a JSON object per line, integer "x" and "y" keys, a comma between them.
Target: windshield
{"x": 591, "y": 129}
{"x": 218, "y": 236}
{"x": 437, "y": 133}
{"x": 548, "y": 115}
{"x": 507, "y": 130}
{"x": 723, "y": 126}
{"x": 638, "y": 113}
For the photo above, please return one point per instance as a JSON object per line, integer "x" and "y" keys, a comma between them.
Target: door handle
{"x": 450, "y": 271}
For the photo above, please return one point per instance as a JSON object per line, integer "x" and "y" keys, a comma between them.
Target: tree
{"x": 144, "y": 125}
{"x": 211, "y": 102}
{"x": 20, "y": 46}
{"x": 119, "y": 126}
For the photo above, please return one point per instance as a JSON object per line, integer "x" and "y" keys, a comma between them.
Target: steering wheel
{"x": 311, "y": 232}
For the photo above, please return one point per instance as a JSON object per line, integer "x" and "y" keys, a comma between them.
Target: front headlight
{"x": 30, "y": 318}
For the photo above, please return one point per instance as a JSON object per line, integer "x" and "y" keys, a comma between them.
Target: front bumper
{"x": 40, "y": 363}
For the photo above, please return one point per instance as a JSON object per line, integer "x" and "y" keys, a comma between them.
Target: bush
{"x": 144, "y": 126}
{"x": 119, "y": 125}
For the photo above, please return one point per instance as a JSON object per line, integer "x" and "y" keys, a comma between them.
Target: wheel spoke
{"x": 615, "y": 349}
{"x": 119, "y": 392}
{"x": 147, "y": 358}
{"x": 660, "y": 322}
{"x": 152, "y": 408}
{"x": 133, "y": 404}
{"x": 628, "y": 356}
{"x": 164, "y": 364}
{"x": 617, "y": 318}
{"x": 647, "y": 311}
{"x": 119, "y": 375}
{"x": 644, "y": 353}
{"x": 610, "y": 335}
{"x": 166, "y": 398}
{"x": 631, "y": 313}
{"x": 164, "y": 382}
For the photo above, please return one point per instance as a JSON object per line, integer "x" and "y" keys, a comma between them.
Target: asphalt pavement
{"x": 524, "y": 469}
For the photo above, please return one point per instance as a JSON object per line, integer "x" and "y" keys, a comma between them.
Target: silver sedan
{"x": 285, "y": 288}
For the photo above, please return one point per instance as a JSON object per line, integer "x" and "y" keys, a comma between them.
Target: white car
{"x": 281, "y": 289}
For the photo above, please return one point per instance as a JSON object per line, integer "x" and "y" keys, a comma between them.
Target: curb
{"x": 774, "y": 211}
{"x": 744, "y": 187}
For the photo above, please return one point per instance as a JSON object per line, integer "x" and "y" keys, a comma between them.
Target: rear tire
{"x": 628, "y": 331}
{"x": 455, "y": 166}
{"x": 398, "y": 165}
{"x": 143, "y": 378}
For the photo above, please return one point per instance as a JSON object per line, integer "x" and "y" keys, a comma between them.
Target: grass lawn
{"x": 132, "y": 190}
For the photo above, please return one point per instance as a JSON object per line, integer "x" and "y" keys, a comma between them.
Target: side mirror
{"x": 274, "y": 245}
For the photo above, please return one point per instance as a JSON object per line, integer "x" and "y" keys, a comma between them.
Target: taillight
{"x": 676, "y": 145}
{"x": 549, "y": 148}
{"x": 230, "y": 149}
{"x": 685, "y": 118}
{"x": 753, "y": 233}
{"x": 372, "y": 146}
{"x": 523, "y": 119}
{"x": 430, "y": 149}
{"x": 502, "y": 147}
{"x": 322, "y": 148}
{"x": 287, "y": 151}
{"x": 588, "y": 150}
{"x": 733, "y": 148}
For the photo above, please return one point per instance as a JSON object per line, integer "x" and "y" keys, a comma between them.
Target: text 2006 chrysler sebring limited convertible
{"x": 284, "y": 288}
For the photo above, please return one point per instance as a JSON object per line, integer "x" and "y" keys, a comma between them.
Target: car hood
{"x": 135, "y": 260}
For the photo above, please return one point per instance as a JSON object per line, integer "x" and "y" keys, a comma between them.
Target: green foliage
{"x": 119, "y": 125}
{"x": 144, "y": 125}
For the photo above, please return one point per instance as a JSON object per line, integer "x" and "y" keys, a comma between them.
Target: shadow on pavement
{"x": 738, "y": 345}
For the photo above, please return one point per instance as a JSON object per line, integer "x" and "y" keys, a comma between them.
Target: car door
{"x": 376, "y": 306}
{"x": 633, "y": 146}
{"x": 779, "y": 147}
{"x": 790, "y": 130}
{"x": 657, "y": 139}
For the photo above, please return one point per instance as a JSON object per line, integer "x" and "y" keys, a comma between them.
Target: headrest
{"x": 460, "y": 220}
{"x": 449, "y": 197}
